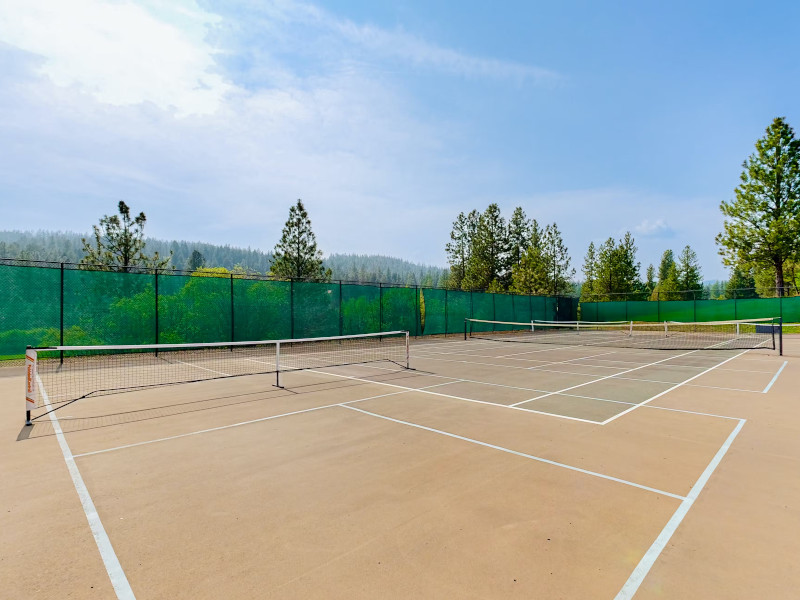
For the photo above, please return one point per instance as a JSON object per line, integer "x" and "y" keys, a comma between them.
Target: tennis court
{"x": 489, "y": 469}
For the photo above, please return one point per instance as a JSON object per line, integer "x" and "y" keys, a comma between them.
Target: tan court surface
{"x": 491, "y": 470}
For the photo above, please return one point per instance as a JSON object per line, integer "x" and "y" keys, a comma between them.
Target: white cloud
{"x": 121, "y": 53}
{"x": 654, "y": 228}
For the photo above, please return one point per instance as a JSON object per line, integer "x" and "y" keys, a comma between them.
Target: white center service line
{"x": 604, "y": 378}
{"x": 522, "y": 454}
{"x": 113, "y": 567}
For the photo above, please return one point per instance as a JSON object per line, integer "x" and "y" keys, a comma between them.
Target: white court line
{"x": 204, "y": 369}
{"x": 648, "y": 560}
{"x": 513, "y": 387}
{"x": 113, "y": 567}
{"x": 774, "y": 379}
{"x": 624, "y": 412}
{"x": 239, "y": 424}
{"x": 604, "y": 378}
{"x": 539, "y": 412}
{"x": 522, "y": 454}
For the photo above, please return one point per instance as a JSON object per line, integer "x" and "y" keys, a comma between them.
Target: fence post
{"x": 445, "y": 310}
{"x": 233, "y": 330}
{"x": 658, "y": 306}
{"x": 735, "y": 307}
{"x": 61, "y": 317}
{"x": 380, "y": 307}
{"x": 694, "y": 305}
{"x": 291, "y": 307}
{"x": 417, "y": 314}
{"x": 341, "y": 316}
{"x": 494, "y": 309}
{"x": 155, "y": 274}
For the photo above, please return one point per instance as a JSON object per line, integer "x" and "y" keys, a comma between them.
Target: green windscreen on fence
{"x": 715, "y": 310}
{"x": 315, "y": 309}
{"x": 642, "y": 310}
{"x": 482, "y": 308}
{"x": 612, "y": 311}
{"x": 361, "y": 309}
{"x": 458, "y": 309}
{"x": 432, "y": 313}
{"x": 791, "y": 309}
{"x": 260, "y": 309}
{"x": 45, "y": 304}
{"x": 399, "y": 309}
{"x": 193, "y": 309}
{"x": 29, "y": 308}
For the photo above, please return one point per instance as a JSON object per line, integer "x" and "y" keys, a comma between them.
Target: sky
{"x": 389, "y": 118}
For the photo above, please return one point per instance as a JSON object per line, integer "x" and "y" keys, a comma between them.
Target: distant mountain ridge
{"x": 65, "y": 246}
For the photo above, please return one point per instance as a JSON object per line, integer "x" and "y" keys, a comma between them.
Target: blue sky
{"x": 388, "y": 118}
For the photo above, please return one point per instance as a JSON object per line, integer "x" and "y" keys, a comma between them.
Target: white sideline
{"x": 648, "y": 560}
{"x": 522, "y": 454}
{"x": 113, "y": 567}
{"x": 774, "y": 379}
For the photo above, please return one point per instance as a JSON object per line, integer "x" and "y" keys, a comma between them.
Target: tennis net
{"x": 668, "y": 335}
{"x": 60, "y": 375}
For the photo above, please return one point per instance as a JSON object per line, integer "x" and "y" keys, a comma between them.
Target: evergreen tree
{"x": 689, "y": 276}
{"x": 119, "y": 243}
{"x": 196, "y": 261}
{"x": 616, "y": 271}
{"x": 296, "y": 254}
{"x": 488, "y": 251}
{"x": 459, "y": 246}
{"x": 742, "y": 283}
{"x": 557, "y": 262}
{"x": 650, "y": 284}
{"x": 669, "y": 287}
{"x": 518, "y": 236}
{"x": 762, "y": 225}
{"x": 589, "y": 273}
{"x": 531, "y": 275}
{"x": 667, "y": 260}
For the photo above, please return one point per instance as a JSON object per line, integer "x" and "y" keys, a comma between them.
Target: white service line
{"x": 774, "y": 379}
{"x": 423, "y": 391}
{"x": 522, "y": 454}
{"x": 239, "y": 424}
{"x": 116, "y": 574}
{"x": 204, "y": 369}
{"x": 648, "y": 560}
{"x": 624, "y": 412}
{"x": 604, "y": 378}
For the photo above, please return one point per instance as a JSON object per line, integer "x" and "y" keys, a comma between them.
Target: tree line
{"x": 486, "y": 252}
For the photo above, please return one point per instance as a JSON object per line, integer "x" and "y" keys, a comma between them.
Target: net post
{"x": 465, "y": 329}
{"x": 666, "y": 333}
{"x": 278, "y": 364}
{"x": 31, "y": 389}
{"x": 631, "y": 329}
{"x": 780, "y": 336}
{"x": 408, "y": 352}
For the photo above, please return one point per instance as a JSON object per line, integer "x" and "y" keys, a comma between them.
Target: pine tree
{"x": 460, "y": 244}
{"x": 518, "y": 236}
{"x": 195, "y": 261}
{"x": 557, "y": 261}
{"x": 296, "y": 255}
{"x": 119, "y": 243}
{"x": 589, "y": 273}
{"x": 741, "y": 284}
{"x": 667, "y": 260}
{"x": 689, "y": 276}
{"x": 650, "y": 284}
{"x": 488, "y": 251}
{"x": 762, "y": 225}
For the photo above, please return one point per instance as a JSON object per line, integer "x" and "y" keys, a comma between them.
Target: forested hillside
{"x": 60, "y": 246}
